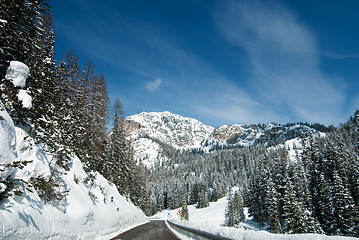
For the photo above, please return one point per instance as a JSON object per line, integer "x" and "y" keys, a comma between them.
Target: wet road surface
{"x": 154, "y": 230}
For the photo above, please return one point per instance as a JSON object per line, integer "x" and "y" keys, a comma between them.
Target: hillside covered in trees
{"x": 306, "y": 185}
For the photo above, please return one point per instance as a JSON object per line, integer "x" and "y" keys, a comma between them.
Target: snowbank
{"x": 211, "y": 220}
{"x": 91, "y": 210}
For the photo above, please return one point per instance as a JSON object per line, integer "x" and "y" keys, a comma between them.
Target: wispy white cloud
{"x": 227, "y": 103}
{"x": 153, "y": 85}
{"x": 338, "y": 55}
{"x": 284, "y": 59}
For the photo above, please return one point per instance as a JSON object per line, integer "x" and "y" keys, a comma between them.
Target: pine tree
{"x": 98, "y": 112}
{"x": 272, "y": 203}
{"x": 83, "y": 137}
{"x": 139, "y": 193}
{"x": 291, "y": 209}
{"x": 69, "y": 74}
{"x": 20, "y": 29}
{"x": 257, "y": 198}
{"x": 325, "y": 205}
{"x": 203, "y": 199}
{"x": 344, "y": 210}
{"x": 120, "y": 167}
{"x": 46, "y": 87}
{"x": 228, "y": 217}
{"x": 116, "y": 165}
{"x": 305, "y": 221}
{"x": 234, "y": 213}
{"x": 238, "y": 212}
{"x": 20, "y": 26}
{"x": 194, "y": 193}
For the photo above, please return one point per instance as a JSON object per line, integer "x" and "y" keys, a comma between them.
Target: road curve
{"x": 154, "y": 230}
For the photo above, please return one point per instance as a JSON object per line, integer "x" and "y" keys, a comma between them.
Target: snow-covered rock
{"x": 17, "y": 73}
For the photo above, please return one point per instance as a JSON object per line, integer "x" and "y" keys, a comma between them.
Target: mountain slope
{"x": 172, "y": 129}
{"x": 148, "y": 130}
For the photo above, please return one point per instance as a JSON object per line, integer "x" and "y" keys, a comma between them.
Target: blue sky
{"x": 221, "y": 61}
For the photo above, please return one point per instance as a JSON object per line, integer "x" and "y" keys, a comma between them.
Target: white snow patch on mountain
{"x": 147, "y": 151}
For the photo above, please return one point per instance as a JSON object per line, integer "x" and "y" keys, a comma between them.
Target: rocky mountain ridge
{"x": 146, "y": 130}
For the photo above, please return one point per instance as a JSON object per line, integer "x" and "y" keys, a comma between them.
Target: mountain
{"x": 169, "y": 128}
{"x": 149, "y": 130}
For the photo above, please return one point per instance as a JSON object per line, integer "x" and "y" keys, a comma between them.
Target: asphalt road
{"x": 154, "y": 230}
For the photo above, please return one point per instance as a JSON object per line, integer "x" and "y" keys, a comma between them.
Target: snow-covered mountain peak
{"x": 169, "y": 128}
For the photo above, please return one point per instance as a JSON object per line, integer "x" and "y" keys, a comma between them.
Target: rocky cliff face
{"x": 172, "y": 129}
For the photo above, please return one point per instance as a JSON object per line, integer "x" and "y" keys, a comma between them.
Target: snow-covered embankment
{"x": 87, "y": 209}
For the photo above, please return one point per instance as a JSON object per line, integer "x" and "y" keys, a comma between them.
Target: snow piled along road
{"x": 211, "y": 220}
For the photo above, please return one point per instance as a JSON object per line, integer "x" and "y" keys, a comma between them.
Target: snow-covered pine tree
{"x": 194, "y": 193}
{"x": 120, "y": 167}
{"x": 203, "y": 199}
{"x": 83, "y": 136}
{"x": 305, "y": 221}
{"x": 69, "y": 73}
{"x": 257, "y": 198}
{"x": 325, "y": 204}
{"x": 115, "y": 168}
{"x": 312, "y": 160}
{"x": 234, "y": 213}
{"x": 344, "y": 210}
{"x": 139, "y": 194}
{"x": 228, "y": 215}
{"x": 99, "y": 115}
{"x": 291, "y": 209}
{"x": 238, "y": 212}
{"x": 46, "y": 88}
{"x": 272, "y": 203}
{"x": 21, "y": 27}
